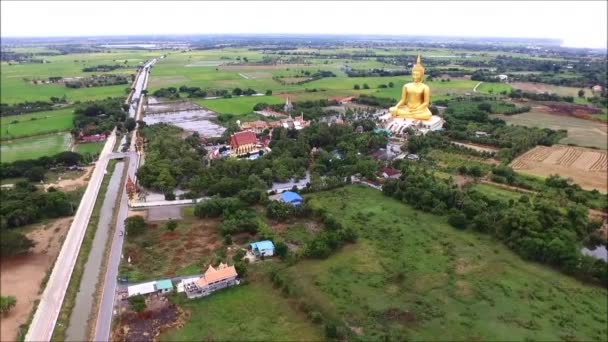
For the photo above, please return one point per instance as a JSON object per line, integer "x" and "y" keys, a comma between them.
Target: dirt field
{"x": 568, "y": 109}
{"x": 586, "y": 167}
{"x": 72, "y": 184}
{"x": 21, "y": 276}
{"x": 480, "y": 148}
{"x": 260, "y": 67}
{"x": 532, "y": 87}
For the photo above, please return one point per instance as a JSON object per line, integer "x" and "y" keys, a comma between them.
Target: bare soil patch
{"x": 160, "y": 315}
{"x": 72, "y": 184}
{"x": 22, "y": 276}
{"x": 476, "y": 147}
{"x": 568, "y": 109}
{"x": 586, "y": 167}
{"x": 259, "y": 67}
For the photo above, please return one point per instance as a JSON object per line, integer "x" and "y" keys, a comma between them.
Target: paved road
{"x": 477, "y": 85}
{"x": 106, "y": 306}
{"x": 43, "y": 323}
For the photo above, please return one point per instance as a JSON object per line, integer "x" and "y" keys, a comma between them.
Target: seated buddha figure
{"x": 414, "y": 103}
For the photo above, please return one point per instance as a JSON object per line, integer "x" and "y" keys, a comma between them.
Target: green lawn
{"x": 34, "y": 147}
{"x": 497, "y": 193}
{"x": 92, "y": 148}
{"x": 16, "y": 126}
{"x": 252, "y": 312}
{"x": 237, "y": 105}
{"x": 493, "y": 88}
{"x": 411, "y": 276}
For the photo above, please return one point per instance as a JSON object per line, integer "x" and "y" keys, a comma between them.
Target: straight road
{"x": 45, "y": 318}
{"x": 43, "y": 322}
{"x": 106, "y": 306}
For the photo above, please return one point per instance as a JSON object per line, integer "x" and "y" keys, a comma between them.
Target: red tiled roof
{"x": 242, "y": 138}
{"x": 389, "y": 171}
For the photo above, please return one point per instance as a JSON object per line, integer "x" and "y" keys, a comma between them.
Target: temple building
{"x": 288, "y": 106}
{"x": 242, "y": 143}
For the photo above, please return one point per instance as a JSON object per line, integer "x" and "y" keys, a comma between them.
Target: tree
{"x": 130, "y": 124}
{"x": 135, "y": 225}
{"x": 268, "y": 92}
{"x": 280, "y": 249}
{"x": 7, "y": 303}
{"x": 138, "y": 303}
{"x": 35, "y": 174}
{"x": 457, "y": 220}
{"x": 237, "y": 91}
{"x": 581, "y": 93}
{"x": 356, "y": 87}
{"x": 14, "y": 243}
{"x": 391, "y": 84}
{"x": 171, "y": 225}
{"x": 365, "y": 86}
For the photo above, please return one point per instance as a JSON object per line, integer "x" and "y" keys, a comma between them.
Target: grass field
{"x": 237, "y": 105}
{"x": 252, "y": 312}
{"x": 16, "y": 85}
{"x": 496, "y": 193}
{"x": 580, "y": 132}
{"x": 36, "y": 123}
{"x": 411, "y": 276}
{"x": 493, "y": 88}
{"x": 92, "y": 148}
{"x": 34, "y": 147}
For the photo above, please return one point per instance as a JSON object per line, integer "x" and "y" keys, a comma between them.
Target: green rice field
{"x": 24, "y": 125}
{"x": 237, "y": 105}
{"x": 34, "y": 147}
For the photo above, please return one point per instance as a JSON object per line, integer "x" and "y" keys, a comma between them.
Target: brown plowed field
{"x": 587, "y": 167}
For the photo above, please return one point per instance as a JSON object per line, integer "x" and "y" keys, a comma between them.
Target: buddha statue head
{"x": 418, "y": 71}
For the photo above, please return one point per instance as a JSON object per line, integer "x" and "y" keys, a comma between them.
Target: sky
{"x": 576, "y": 23}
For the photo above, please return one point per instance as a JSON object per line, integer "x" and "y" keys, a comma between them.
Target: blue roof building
{"x": 164, "y": 285}
{"x": 262, "y": 248}
{"x": 291, "y": 198}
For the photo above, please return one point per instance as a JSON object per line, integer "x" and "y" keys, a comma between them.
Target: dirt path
{"x": 72, "y": 184}
{"x": 477, "y": 85}
{"x": 22, "y": 276}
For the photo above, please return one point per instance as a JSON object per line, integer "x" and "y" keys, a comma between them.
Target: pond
{"x": 198, "y": 120}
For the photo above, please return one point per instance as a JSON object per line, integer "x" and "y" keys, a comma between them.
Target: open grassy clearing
{"x": 34, "y": 147}
{"x": 36, "y": 123}
{"x": 251, "y": 312}
{"x": 580, "y": 132}
{"x": 493, "y": 88}
{"x": 496, "y": 193}
{"x": 413, "y": 276}
{"x": 92, "y": 148}
{"x": 237, "y": 105}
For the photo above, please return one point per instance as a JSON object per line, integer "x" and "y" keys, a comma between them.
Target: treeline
{"x": 464, "y": 118}
{"x": 95, "y": 117}
{"x": 518, "y": 94}
{"x": 375, "y": 72}
{"x": 170, "y": 160}
{"x": 96, "y": 81}
{"x": 102, "y": 68}
{"x": 197, "y": 92}
{"x": 25, "y": 107}
{"x": 309, "y": 77}
{"x": 312, "y": 109}
{"x": 538, "y": 228}
{"x": 34, "y": 169}
{"x": 371, "y": 100}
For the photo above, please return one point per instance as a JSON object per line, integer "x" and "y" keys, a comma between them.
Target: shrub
{"x": 457, "y": 220}
{"x": 135, "y": 225}
{"x": 137, "y": 303}
{"x": 7, "y": 303}
{"x": 171, "y": 225}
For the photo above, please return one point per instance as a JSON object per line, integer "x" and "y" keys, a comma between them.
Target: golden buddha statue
{"x": 414, "y": 103}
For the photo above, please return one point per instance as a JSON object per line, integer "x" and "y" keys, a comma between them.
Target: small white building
{"x": 141, "y": 289}
{"x": 503, "y": 78}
